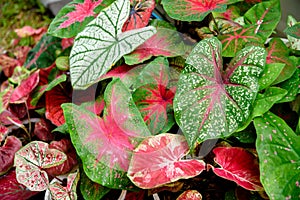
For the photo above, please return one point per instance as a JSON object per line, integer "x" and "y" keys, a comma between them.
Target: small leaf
{"x": 277, "y": 145}
{"x": 238, "y": 165}
{"x": 73, "y": 17}
{"x": 101, "y": 44}
{"x": 3, "y": 132}
{"x": 212, "y": 103}
{"x": 157, "y": 161}
{"x": 293, "y": 31}
{"x": 270, "y": 74}
{"x": 30, "y": 162}
{"x": 294, "y": 41}
{"x": 190, "y": 10}
{"x": 42, "y": 130}
{"x": 190, "y": 195}
{"x": 7, "y": 153}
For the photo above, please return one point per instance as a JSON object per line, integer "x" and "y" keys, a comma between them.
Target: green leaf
{"x": 292, "y": 86}
{"x": 279, "y": 157}
{"x": 101, "y": 44}
{"x": 264, "y": 17}
{"x": 294, "y": 41}
{"x": 210, "y": 102}
{"x": 270, "y": 74}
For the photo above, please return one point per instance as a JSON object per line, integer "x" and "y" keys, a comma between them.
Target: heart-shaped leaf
{"x": 264, "y": 17}
{"x": 191, "y": 10}
{"x": 292, "y": 86}
{"x": 140, "y": 12}
{"x": 73, "y": 17}
{"x": 212, "y": 103}
{"x": 30, "y": 162}
{"x": 278, "y": 145}
{"x": 238, "y": 165}
{"x": 190, "y": 195}
{"x": 270, "y": 74}
{"x": 7, "y": 153}
{"x": 59, "y": 192}
{"x": 102, "y": 43}
{"x": 157, "y": 161}
{"x": 105, "y": 144}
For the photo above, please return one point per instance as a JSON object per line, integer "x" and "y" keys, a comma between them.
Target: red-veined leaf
{"x": 154, "y": 96}
{"x": 194, "y": 10}
{"x": 73, "y": 17}
{"x": 105, "y": 144}
{"x": 10, "y": 189}
{"x": 59, "y": 192}
{"x": 42, "y": 130}
{"x": 140, "y": 12}
{"x": 157, "y": 161}
{"x": 190, "y": 195}
{"x": 3, "y": 132}
{"x": 8, "y": 118}
{"x": 213, "y": 103}
{"x": 238, "y": 165}
{"x": 20, "y": 93}
{"x": 7, "y": 153}
{"x": 32, "y": 160}
{"x": 54, "y": 99}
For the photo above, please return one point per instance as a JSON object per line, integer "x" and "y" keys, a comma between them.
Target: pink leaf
{"x": 238, "y": 165}
{"x": 157, "y": 161}
{"x": 27, "y": 31}
{"x": 20, "y": 94}
{"x": 81, "y": 11}
{"x": 190, "y": 195}
{"x": 7, "y": 152}
{"x": 3, "y": 132}
{"x": 8, "y": 64}
{"x": 140, "y": 12}
{"x": 30, "y": 162}
{"x": 8, "y": 118}
{"x": 67, "y": 42}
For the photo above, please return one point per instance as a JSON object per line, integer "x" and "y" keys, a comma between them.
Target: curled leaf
{"x": 190, "y": 195}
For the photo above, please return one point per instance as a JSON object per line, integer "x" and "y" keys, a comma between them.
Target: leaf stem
{"x": 216, "y": 24}
{"x": 122, "y": 195}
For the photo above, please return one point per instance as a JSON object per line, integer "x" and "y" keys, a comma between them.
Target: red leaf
{"x": 157, "y": 161}
{"x": 190, "y": 195}
{"x": 11, "y": 189}
{"x": 140, "y": 12}
{"x": 8, "y": 118}
{"x": 238, "y": 165}
{"x": 54, "y": 99}
{"x": 8, "y": 64}
{"x": 20, "y": 94}
{"x": 81, "y": 11}
{"x": 3, "y": 132}
{"x": 140, "y": 195}
{"x": 27, "y": 31}
{"x": 42, "y": 130}
{"x": 21, "y": 54}
{"x": 7, "y": 153}
{"x": 65, "y": 146}
{"x": 67, "y": 42}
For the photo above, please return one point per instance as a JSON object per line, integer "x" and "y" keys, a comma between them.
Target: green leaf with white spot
{"x": 279, "y": 157}
{"x": 270, "y": 74}
{"x": 292, "y": 31}
{"x": 102, "y": 43}
{"x": 211, "y": 102}
{"x": 292, "y": 86}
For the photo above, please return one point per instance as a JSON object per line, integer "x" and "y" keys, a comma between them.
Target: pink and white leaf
{"x": 190, "y": 195}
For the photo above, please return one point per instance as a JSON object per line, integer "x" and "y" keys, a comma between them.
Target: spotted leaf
{"x": 32, "y": 160}
{"x": 278, "y": 145}
{"x": 102, "y": 43}
{"x": 291, "y": 30}
{"x": 270, "y": 74}
{"x": 191, "y": 10}
{"x": 213, "y": 103}
{"x": 190, "y": 195}
{"x": 157, "y": 161}
{"x": 105, "y": 144}
{"x": 238, "y": 165}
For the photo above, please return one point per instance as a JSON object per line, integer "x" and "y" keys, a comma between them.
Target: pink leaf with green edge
{"x": 7, "y": 152}
{"x": 194, "y": 10}
{"x": 238, "y": 165}
{"x": 234, "y": 41}
{"x": 278, "y": 145}
{"x": 20, "y": 93}
{"x": 190, "y": 195}
{"x": 5, "y": 97}
{"x": 157, "y": 161}
{"x": 154, "y": 96}
{"x": 8, "y": 118}
{"x": 278, "y": 52}
{"x": 140, "y": 12}
{"x": 10, "y": 189}
{"x": 105, "y": 144}
{"x": 59, "y": 192}
{"x": 32, "y": 160}
{"x": 54, "y": 99}
{"x": 264, "y": 17}
{"x": 3, "y": 132}
{"x": 213, "y": 103}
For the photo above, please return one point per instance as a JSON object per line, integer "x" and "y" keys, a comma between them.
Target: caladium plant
{"x": 178, "y": 99}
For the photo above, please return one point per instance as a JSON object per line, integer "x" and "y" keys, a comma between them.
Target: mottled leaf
{"x": 190, "y": 195}
{"x": 293, "y": 31}
{"x": 140, "y": 12}
{"x": 7, "y": 153}
{"x": 3, "y": 132}
{"x": 105, "y": 144}
{"x": 32, "y": 160}
{"x": 277, "y": 145}
{"x": 73, "y": 17}
{"x": 238, "y": 165}
{"x": 157, "y": 161}
{"x": 154, "y": 97}
{"x": 270, "y": 74}
{"x": 212, "y": 103}
{"x": 27, "y": 31}
{"x": 292, "y": 86}
{"x": 101, "y": 44}
{"x": 264, "y": 17}
{"x": 294, "y": 41}
{"x": 191, "y": 10}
